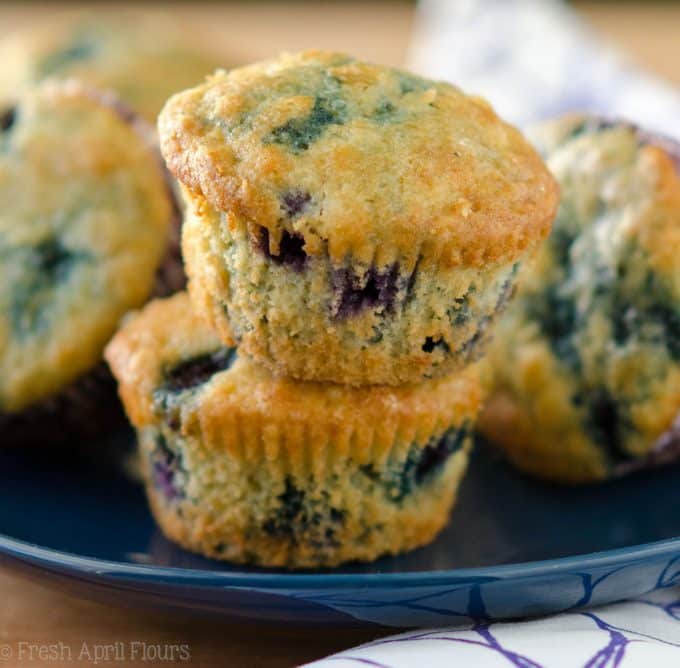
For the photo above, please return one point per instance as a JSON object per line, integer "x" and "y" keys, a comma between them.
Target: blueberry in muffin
{"x": 246, "y": 467}
{"x": 84, "y": 228}
{"x": 586, "y": 362}
{"x": 349, "y": 222}
{"x": 143, "y": 59}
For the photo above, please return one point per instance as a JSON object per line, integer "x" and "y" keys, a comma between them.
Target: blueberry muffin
{"x": 84, "y": 227}
{"x": 349, "y": 222}
{"x": 142, "y": 58}
{"x": 586, "y": 362}
{"x": 250, "y": 468}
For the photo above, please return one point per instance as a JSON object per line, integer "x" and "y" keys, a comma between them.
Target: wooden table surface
{"x": 33, "y": 614}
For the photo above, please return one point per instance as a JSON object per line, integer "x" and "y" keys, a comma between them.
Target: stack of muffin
{"x": 351, "y": 234}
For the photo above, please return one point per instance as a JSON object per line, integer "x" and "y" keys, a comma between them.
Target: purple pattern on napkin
{"x": 606, "y": 638}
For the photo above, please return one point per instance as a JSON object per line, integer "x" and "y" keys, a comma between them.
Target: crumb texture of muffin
{"x": 586, "y": 361}
{"x": 250, "y": 468}
{"x": 84, "y": 226}
{"x": 143, "y": 59}
{"x": 350, "y": 222}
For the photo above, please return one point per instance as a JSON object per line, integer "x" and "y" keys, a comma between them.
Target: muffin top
{"x": 84, "y": 217}
{"x": 143, "y": 60}
{"x": 612, "y": 258}
{"x": 362, "y": 161}
{"x": 592, "y": 339}
{"x": 171, "y": 368}
{"x": 614, "y": 176}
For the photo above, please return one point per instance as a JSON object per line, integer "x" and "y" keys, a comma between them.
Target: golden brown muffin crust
{"x": 361, "y": 160}
{"x": 84, "y": 225}
{"x": 168, "y": 329}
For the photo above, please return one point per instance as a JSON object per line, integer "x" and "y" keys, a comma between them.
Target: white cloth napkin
{"x": 534, "y": 59}
{"x": 644, "y": 633}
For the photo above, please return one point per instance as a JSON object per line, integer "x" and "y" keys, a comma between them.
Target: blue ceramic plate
{"x": 514, "y": 547}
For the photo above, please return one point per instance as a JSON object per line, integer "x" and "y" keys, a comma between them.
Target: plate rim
{"x": 123, "y": 572}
